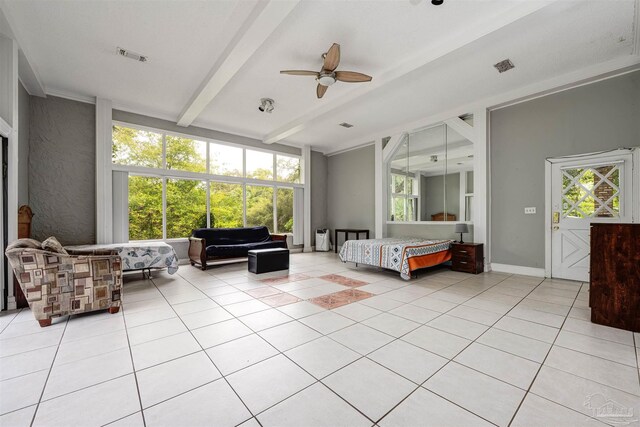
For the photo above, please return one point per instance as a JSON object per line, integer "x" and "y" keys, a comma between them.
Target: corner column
{"x": 104, "y": 195}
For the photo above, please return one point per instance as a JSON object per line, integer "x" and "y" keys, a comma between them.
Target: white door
{"x": 586, "y": 189}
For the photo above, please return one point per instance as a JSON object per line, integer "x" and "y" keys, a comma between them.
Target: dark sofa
{"x": 219, "y": 244}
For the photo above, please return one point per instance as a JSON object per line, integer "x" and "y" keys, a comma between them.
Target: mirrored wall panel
{"x": 430, "y": 177}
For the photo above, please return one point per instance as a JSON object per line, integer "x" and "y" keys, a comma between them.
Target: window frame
{"x": 207, "y": 178}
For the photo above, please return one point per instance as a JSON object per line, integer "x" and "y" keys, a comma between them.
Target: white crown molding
{"x": 517, "y": 269}
{"x": 71, "y": 96}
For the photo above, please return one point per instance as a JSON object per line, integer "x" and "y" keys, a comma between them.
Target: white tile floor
{"x": 448, "y": 348}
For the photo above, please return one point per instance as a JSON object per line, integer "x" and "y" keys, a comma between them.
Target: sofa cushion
{"x": 232, "y": 236}
{"x": 24, "y": 243}
{"x": 241, "y": 250}
{"x": 52, "y": 245}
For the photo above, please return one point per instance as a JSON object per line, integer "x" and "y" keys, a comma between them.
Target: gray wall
{"x": 319, "y": 169}
{"x": 62, "y": 163}
{"x": 153, "y": 122}
{"x": 350, "y": 190}
{"x": 599, "y": 116}
{"x": 24, "y": 103}
{"x": 432, "y": 191}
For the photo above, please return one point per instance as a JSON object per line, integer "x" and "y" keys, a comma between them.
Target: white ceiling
{"x": 423, "y": 59}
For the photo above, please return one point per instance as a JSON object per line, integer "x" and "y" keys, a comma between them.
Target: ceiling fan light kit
{"x": 328, "y": 74}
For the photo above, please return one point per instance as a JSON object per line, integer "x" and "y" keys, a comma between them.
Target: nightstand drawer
{"x": 467, "y": 257}
{"x": 462, "y": 252}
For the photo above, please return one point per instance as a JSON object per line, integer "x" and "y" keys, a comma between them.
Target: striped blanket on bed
{"x": 391, "y": 253}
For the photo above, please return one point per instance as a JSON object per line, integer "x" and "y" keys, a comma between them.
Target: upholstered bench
{"x": 266, "y": 260}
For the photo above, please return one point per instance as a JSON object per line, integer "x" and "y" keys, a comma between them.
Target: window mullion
{"x": 244, "y": 205}
{"x": 275, "y": 210}
{"x": 164, "y": 207}
{"x": 208, "y": 204}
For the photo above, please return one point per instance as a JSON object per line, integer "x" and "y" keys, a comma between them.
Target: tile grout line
{"x": 540, "y": 369}
{"x": 35, "y": 413}
{"x": 208, "y": 356}
{"x": 133, "y": 363}
{"x": 395, "y": 339}
{"x": 12, "y": 319}
{"x": 421, "y": 385}
{"x": 279, "y": 352}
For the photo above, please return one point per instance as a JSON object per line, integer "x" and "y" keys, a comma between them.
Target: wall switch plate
{"x": 529, "y": 211}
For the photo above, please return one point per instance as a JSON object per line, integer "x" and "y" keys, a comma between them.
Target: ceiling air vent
{"x": 503, "y": 66}
{"x": 346, "y": 125}
{"x": 131, "y": 55}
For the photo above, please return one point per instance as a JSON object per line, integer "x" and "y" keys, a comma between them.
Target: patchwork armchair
{"x": 58, "y": 284}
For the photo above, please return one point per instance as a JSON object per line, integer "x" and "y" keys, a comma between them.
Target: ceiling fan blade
{"x": 320, "y": 90}
{"x": 352, "y": 77}
{"x": 300, "y": 73}
{"x": 332, "y": 58}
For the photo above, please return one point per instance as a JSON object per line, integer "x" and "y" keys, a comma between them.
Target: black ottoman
{"x": 266, "y": 260}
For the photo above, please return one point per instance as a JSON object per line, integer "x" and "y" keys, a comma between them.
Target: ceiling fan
{"x": 328, "y": 74}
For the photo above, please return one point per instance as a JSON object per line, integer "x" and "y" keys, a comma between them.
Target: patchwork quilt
{"x": 391, "y": 253}
{"x": 138, "y": 257}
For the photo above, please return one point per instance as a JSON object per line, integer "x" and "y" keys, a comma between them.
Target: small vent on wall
{"x": 131, "y": 55}
{"x": 503, "y": 66}
{"x": 346, "y": 125}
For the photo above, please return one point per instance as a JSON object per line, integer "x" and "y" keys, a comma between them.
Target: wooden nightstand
{"x": 467, "y": 257}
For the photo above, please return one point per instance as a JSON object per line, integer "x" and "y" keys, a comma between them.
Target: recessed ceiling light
{"x": 503, "y": 66}
{"x": 131, "y": 55}
{"x": 346, "y": 125}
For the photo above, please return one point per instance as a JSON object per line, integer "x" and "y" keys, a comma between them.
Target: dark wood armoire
{"x": 614, "y": 293}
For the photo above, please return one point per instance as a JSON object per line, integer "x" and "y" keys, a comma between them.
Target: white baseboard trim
{"x": 517, "y": 269}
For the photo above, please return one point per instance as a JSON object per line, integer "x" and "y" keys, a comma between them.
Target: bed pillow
{"x": 52, "y": 245}
{"x": 24, "y": 243}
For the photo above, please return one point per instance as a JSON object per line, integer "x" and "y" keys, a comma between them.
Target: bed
{"x": 404, "y": 255}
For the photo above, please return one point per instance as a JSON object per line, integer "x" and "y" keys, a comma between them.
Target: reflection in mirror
{"x": 431, "y": 177}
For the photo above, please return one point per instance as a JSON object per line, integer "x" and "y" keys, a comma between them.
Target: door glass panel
{"x": 591, "y": 192}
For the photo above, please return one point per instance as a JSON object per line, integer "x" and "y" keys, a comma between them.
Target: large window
{"x": 225, "y": 160}
{"x": 145, "y": 208}
{"x": 284, "y": 202}
{"x": 226, "y": 205}
{"x": 178, "y": 183}
{"x": 186, "y": 207}
{"x": 259, "y": 206}
{"x": 184, "y": 154}
{"x": 259, "y": 165}
{"x": 137, "y": 147}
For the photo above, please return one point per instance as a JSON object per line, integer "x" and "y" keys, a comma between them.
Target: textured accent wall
{"x": 24, "y": 105}
{"x": 587, "y": 119}
{"x": 62, "y": 163}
